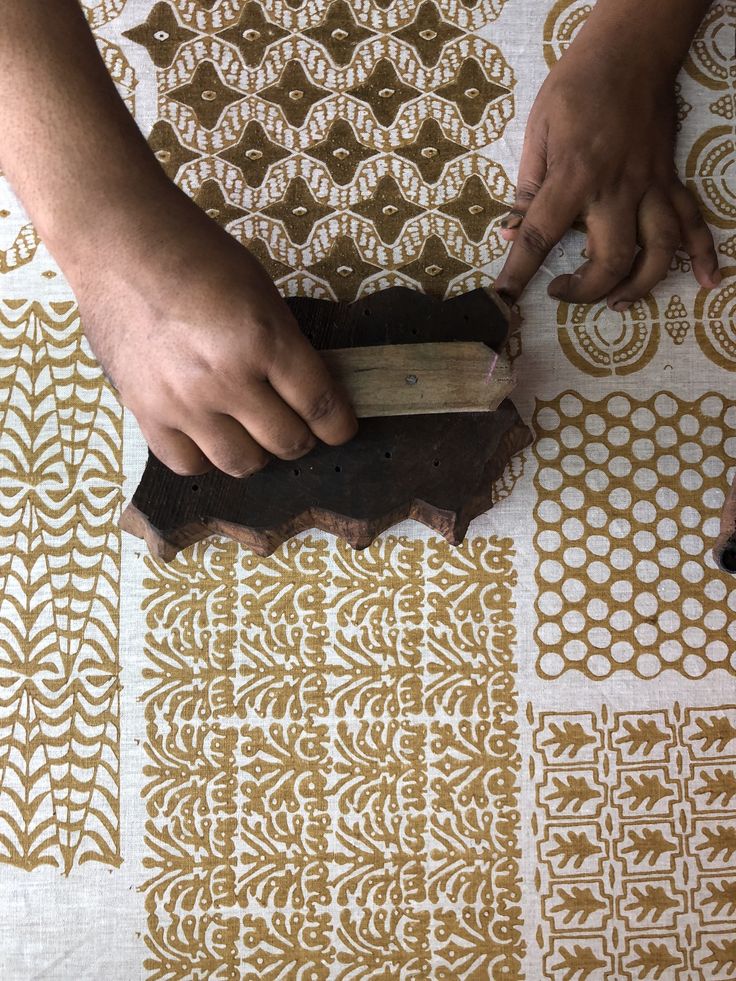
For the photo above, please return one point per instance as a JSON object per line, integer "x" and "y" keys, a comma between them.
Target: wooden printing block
{"x": 417, "y": 462}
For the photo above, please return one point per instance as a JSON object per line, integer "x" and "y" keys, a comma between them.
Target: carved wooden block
{"x": 437, "y": 467}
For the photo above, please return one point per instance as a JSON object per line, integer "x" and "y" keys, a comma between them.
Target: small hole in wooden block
{"x": 195, "y": 487}
{"x": 338, "y": 469}
{"x": 296, "y": 471}
{"x": 414, "y": 331}
{"x": 387, "y": 454}
{"x": 435, "y": 463}
{"x": 366, "y": 312}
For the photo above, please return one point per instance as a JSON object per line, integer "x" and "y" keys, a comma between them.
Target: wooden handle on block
{"x": 418, "y": 379}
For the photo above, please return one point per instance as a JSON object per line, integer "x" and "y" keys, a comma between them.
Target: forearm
{"x": 68, "y": 144}
{"x": 659, "y": 30}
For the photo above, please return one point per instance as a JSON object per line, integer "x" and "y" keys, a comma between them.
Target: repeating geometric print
{"x": 334, "y": 770}
{"x": 332, "y": 786}
{"x": 60, "y": 489}
{"x": 636, "y": 842}
{"x": 343, "y": 144}
{"x": 629, "y": 497}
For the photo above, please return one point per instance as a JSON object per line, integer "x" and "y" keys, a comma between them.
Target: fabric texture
{"x": 511, "y": 759}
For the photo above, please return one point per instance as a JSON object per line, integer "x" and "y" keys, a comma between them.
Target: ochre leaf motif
{"x": 718, "y": 787}
{"x": 202, "y": 949}
{"x": 717, "y": 731}
{"x": 578, "y": 963}
{"x": 644, "y": 736}
{"x": 572, "y": 793}
{"x": 574, "y": 847}
{"x": 722, "y": 956}
{"x": 577, "y": 902}
{"x": 721, "y": 897}
{"x": 646, "y": 792}
{"x": 649, "y": 843}
{"x": 570, "y": 738}
{"x": 279, "y": 866}
{"x": 468, "y": 758}
{"x": 380, "y": 583}
{"x": 285, "y": 767}
{"x": 380, "y": 860}
{"x": 458, "y": 668}
{"x": 287, "y": 946}
{"x": 720, "y": 843}
{"x": 379, "y": 765}
{"x": 469, "y": 946}
{"x": 464, "y": 850}
{"x": 653, "y": 901}
{"x": 377, "y": 674}
{"x": 653, "y": 960}
{"x": 379, "y": 943}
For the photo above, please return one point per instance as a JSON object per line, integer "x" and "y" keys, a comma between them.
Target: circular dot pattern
{"x": 629, "y": 498}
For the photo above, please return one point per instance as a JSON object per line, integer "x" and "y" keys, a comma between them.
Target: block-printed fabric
{"x": 512, "y": 759}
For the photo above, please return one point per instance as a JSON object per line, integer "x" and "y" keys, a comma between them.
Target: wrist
{"x": 118, "y": 230}
{"x": 648, "y": 37}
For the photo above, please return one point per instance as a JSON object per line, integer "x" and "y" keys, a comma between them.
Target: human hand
{"x": 599, "y": 148}
{"x": 202, "y": 349}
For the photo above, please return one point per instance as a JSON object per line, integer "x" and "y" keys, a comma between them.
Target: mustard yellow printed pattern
{"x": 601, "y": 342}
{"x": 333, "y": 762}
{"x": 60, "y": 488}
{"x": 636, "y": 842}
{"x": 715, "y": 320}
{"x": 629, "y": 501}
{"x": 345, "y": 144}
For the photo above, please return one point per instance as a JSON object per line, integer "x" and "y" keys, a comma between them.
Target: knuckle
{"x": 526, "y": 191}
{"x": 617, "y": 262}
{"x": 665, "y": 240}
{"x": 291, "y": 451}
{"x": 243, "y": 468}
{"x": 534, "y": 240}
{"x": 321, "y": 406}
{"x": 186, "y": 469}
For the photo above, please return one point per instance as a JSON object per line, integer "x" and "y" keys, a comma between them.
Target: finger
{"x": 696, "y": 237}
{"x": 271, "y": 422}
{"x": 227, "y": 444}
{"x": 659, "y": 237}
{"x": 532, "y": 171}
{"x": 301, "y": 378}
{"x": 611, "y": 224}
{"x": 174, "y": 449}
{"x": 549, "y": 216}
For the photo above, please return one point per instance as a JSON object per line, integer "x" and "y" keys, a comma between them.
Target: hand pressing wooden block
{"x": 428, "y": 380}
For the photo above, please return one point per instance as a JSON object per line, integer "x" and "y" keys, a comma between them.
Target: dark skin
{"x": 185, "y": 321}
{"x": 599, "y": 148}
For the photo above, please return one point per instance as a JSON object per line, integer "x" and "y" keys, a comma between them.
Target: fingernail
{"x": 715, "y": 278}
{"x": 558, "y": 292}
{"x": 621, "y": 305}
{"x": 512, "y": 220}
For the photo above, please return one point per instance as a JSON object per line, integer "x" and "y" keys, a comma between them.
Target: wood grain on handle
{"x": 419, "y": 379}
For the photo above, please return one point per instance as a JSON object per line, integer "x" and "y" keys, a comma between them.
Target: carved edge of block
{"x": 724, "y": 550}
{"x": 358, "y": 533}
